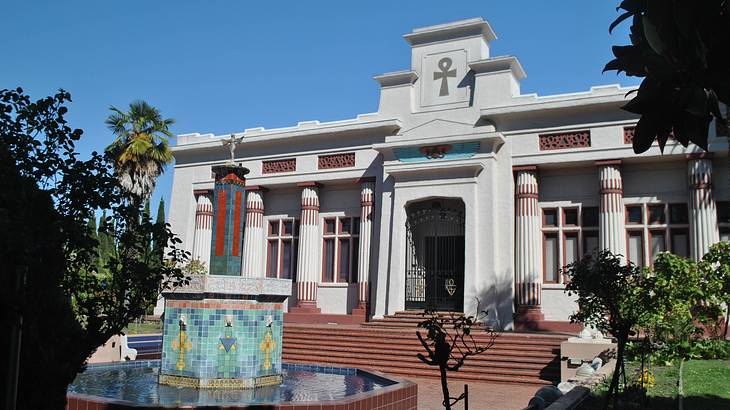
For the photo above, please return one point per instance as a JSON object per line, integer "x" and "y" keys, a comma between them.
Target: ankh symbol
{"x": 444, "y": 64}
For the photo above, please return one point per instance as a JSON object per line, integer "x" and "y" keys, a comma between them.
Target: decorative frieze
{"x": 565, "y": 140}
{"x": 629, "y": 135}
{"x": 279, "y": 165}
{"x": 345, "y": 160}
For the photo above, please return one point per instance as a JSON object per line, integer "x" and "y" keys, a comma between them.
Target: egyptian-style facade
{"x": 459, "y": 188}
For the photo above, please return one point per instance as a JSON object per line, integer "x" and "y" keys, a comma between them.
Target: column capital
{"x": 518, "y": 168}
{"x": 363, "y": 180}
{"x": 699, "y": 155}
{"x": 256, "y": 188}
{"x": 309, "y": 184}
{"x": 199, "y": 192}
{"x": 609, "y": 162}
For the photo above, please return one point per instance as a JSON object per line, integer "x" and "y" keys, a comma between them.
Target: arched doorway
{"x": 435, "y": 255}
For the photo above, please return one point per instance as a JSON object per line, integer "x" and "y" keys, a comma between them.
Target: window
{"x": 550, "y": 217}
{"x": 550, "y": 253}
{"x": 282, "y": 245}
{"x": 340, "y": 246}
{"x": 570, "y": 217}
{"x": 636, "y": 248}
{"x": 568, "y": 233}
{"x": 723, "y": 219}
{"x": 633, "y": 214}
{"x": 664, "y": 228}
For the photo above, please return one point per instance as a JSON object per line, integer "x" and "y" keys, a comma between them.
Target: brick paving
{"x": 482, "y": 396}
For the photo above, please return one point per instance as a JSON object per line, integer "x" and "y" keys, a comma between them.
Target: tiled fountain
{"x": 222, "y": 342}
{"x": 223, "y": 330}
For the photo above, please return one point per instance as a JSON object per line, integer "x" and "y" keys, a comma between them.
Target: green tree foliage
{"x": 68, "y": 306}
{"x": 615, "y": 298}
{"x": 91, "y": 226}
{"x": 680, "y": 48}
{"x": 140, "y": 150}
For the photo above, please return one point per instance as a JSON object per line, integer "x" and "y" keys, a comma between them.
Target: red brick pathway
{"x": 482, "y": 396}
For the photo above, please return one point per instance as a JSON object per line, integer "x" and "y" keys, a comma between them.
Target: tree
{"x": 66, "y": 305}
{"x": 91, "y": 226}
{"x": 448, "y": 343}
{"x": 614, "y": 297}
{"x": 715, "y": 266}
{"x": 680, "y": 48}
{"x": 158, "y": 247}
{"x": 141, "y": 150}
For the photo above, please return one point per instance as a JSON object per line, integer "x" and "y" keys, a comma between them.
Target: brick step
{"x": 410, "y": 359}
{"x": 361, "y": 330}
{"x": 413, "y": 346}
{"x": 416, "y": 364}
{"x": 346, "y": 335}
{"x": 431, "y": 372}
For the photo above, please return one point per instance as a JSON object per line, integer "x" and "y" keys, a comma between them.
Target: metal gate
{"x": 435, "y": 259}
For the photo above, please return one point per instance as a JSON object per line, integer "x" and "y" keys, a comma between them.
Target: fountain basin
{"x": 134, "y": 384}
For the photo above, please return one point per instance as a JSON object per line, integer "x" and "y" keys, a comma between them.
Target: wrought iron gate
{"x": 435, "y": 259}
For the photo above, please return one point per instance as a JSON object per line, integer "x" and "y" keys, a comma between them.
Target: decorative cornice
{"x": 457, "y": 29}
{"x": 396, "y": 78}
{"x": 256, "y": 188}
{"x": 499, "y": 64}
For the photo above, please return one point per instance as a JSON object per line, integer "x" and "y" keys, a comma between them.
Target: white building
{"x": 459, "y": 187}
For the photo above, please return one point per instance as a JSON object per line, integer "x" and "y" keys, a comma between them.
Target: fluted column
{"x": 528, "y": 242}
{"x": 309, "y": 266}
{"x": 253, "y": 234}
{"x": 702, "y": 211}
{"x": 203, "y": 229}
{"x": 611, "y": 214}
{"x": 367, "y": 187}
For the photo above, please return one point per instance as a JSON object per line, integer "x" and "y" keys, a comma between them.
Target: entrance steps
{"x": 522, "y": 358}
{"x": 406, "y": 318}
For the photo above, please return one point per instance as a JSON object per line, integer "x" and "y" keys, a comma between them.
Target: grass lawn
{"x": 143, "y": 328}
{"x": 706, "y": 384}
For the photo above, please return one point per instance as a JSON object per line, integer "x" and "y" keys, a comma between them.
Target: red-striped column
{"x": 203, "y": 228}
{"x": 253, "y": 235}
{"x": 367, "y": 188}
{"x": 528, "y": 246}
{"x": 309, "y": 266}
{"x": 702, "y": 207}
{"x": 611, "y": 214}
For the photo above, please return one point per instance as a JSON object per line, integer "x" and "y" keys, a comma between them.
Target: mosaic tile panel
{"x": 227, "y": 343}
{"x": 228, "y": 225}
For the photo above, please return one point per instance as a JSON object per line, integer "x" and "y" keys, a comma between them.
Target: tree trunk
{"x": 445, "y": 389}
{"x": 613, "y": 388}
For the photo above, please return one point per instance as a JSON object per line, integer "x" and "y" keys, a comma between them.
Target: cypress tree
{"x": 157, "y": 246}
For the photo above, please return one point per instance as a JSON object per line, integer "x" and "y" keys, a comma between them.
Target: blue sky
{"x": 222, "y": 66}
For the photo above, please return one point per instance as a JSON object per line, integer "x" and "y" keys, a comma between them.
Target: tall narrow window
{"x": 658, "y": 243}
{"x": 281, "y": 254}
{"x": 571, "y": 249}
{"x": 680, "y": 243}
{"x": 329, "y": 260}
{"x": 551, "y": 259}
{"x": 636, "y": 248}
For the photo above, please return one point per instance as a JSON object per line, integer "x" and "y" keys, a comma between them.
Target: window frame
{"x": 337, "y": 236}
{"x": 562, "y": 231}
{"x": 280, "y": 237}
{"x": 648, "y": 229}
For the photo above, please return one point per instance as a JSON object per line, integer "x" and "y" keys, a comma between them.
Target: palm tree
{"x": 141, "y": 149}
